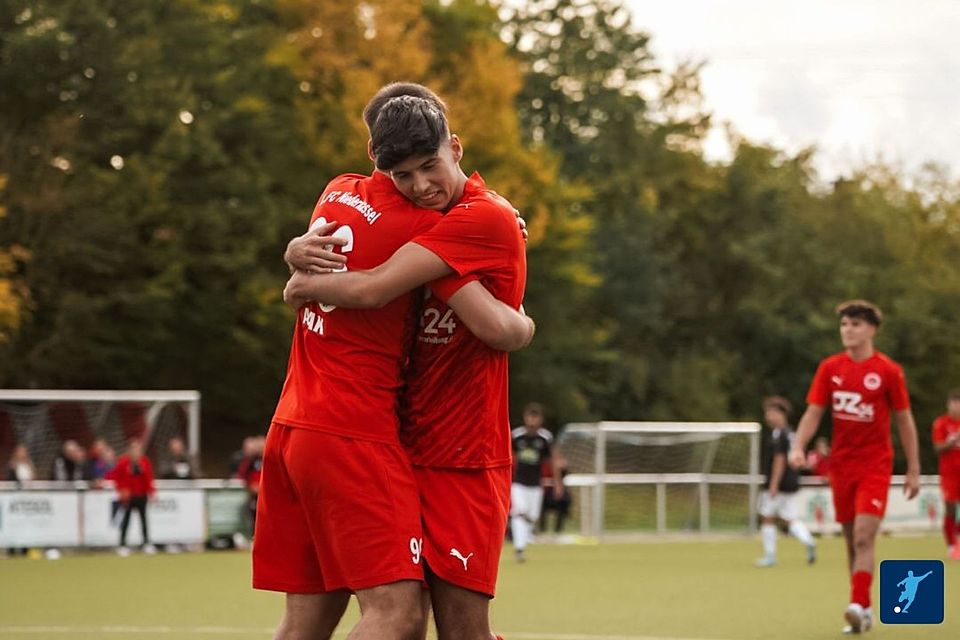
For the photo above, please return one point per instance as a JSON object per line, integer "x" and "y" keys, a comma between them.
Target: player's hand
{"x": 523, "y": 225}
{"x": 293, "y": 293}
{"x": 558, "y": 492}
{"x": 911, "y": 484}
{"x": 313, "y": 251}
{"x": 796, "y": 459}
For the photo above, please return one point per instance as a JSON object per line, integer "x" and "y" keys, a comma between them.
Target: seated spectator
{"x": 21, "y": 466}
{"x": 102, "y": 460}
{"x": 178, "y": 464}
{"x": 69, "y": 465}
{"x": 241, "y": 456}
{"x": 818, "y": 459}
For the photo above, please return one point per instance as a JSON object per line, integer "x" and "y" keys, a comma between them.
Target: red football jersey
{"x": 861, "y": 395}
{"x": 943, "y": 427}
{"x": 345, "y": 370}
{"x": 455, "y": 407}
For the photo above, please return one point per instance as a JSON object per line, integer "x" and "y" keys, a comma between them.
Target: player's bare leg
{"x": 425, "y": 607}
{"x": 390, "y": 612}
{"x": 865, "y": 528}
{"x": 460, "y": 614}
{"x": 861, "y": 538}
{"x": 312, "y": 616}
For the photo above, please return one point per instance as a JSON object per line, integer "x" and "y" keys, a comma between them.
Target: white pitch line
{"x": 234, "y": 631}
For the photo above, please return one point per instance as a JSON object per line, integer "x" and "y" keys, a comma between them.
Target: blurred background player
{"x": 862, "y": 386}
{"x": 531, "y": 449}
{"x": 133, "y": 477}
{"x": 946, "y": 442}
{"x": 779, "y": 498}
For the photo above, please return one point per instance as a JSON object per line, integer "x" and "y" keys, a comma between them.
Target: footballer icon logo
{"x": 911, "y": 592}
{"x": 837, "y": 380}
{"x": 871, "y": 381}
{"x": 459, "y": 556}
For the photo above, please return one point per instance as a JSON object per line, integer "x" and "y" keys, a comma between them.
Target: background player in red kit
{"x": 455, "y": 422}
{"x": 862, "y": 386}
{"x": 946, "y": 442}
{"x": 338, "y": 510}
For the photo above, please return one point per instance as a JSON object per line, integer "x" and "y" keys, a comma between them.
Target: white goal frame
{"x": 594, "y": 484}
{"x": 159, "y": 399}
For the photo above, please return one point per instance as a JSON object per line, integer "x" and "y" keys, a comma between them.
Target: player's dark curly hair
{"x": 862, "y": 310}
{"x": 407, "y": 127}
{"x": 395, "y": 90}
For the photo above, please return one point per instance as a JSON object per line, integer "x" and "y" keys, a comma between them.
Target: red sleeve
{"x": 939, "y": 431}
{"x": 444, "y": 288}
{"x": 819, "y": 392}
{"x": 472, "y": 237}
{"x": 899, "y": 396}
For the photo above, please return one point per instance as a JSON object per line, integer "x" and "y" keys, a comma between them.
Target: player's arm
{"x": 558, "y": 488}
{"x": 776, "y": 473}
{"x": 497, "y": 324}
{"x": 806, "y": 429}
{"x": 940, "y": 446}
{"x": 407, "y": 269}
{"x": 907, "y": 430}
{"x": 312, "y": 252}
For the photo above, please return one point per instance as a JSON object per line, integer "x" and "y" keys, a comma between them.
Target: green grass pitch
{"x": 641, "y": 591}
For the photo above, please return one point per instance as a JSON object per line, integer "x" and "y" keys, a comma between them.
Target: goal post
{"x": 42, "y": 419}
{"x": 663, "y": 477}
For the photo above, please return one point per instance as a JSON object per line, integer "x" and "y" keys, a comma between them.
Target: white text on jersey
{"x": 353, "y": 200}
{"x": 313, "y": 320}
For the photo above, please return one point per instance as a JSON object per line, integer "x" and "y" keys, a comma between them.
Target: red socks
{"x": 860, "y": 588}
{"x": 950, "y": 530}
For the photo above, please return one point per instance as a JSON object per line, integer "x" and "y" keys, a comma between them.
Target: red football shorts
{"x": 950, "y": 484}
{"x": 334, "y": 513}
{"x": 464, "y": 522}
{"x": 859, "y": 494}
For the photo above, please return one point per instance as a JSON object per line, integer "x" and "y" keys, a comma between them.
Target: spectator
{"x": 21, "y": 466}
{"x": 818, "y": 459}
{"x": 250, "y": 471}
{"x": 179, "y": 464}
{"x": 240, "y": 457}
{"x": 69, "y": 465}
{"x": 561, "y": 505}
{"x": 133, "y": 476}
{"x": 102, "y": 460}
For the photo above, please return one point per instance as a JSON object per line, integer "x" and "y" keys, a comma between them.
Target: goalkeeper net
{"x": 44, "y": 419}
{"x": 662, "y": 477}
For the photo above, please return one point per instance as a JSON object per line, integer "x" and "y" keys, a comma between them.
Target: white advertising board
{"x": 923, "y": 514}
{"x": 39, "y": 519}
{"x": 174, "y": 516}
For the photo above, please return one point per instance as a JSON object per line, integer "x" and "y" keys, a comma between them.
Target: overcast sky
{"x": 861, "y": 79}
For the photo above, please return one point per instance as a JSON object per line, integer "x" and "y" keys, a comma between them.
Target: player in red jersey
{"x": 338, "y": 510}
{"x": 946, "y": 442}
{"x": 455, "y": 420}
{"x": 862, "y": 386}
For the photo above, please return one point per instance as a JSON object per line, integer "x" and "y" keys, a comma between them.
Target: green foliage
{"x": 155, "y": 158}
